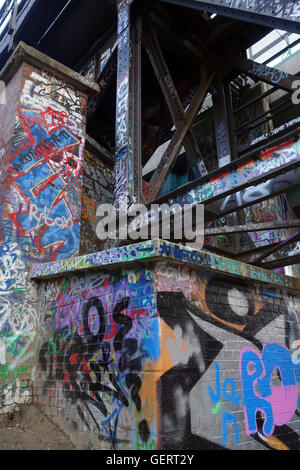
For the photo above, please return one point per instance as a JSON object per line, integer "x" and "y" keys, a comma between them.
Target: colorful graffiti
{"x": 163, "y": 249}
{"x": 102, "y": 337}
{"x": 97, "y": 189}
{"x": 217, "y": 187}
{"x": 234, "y": 381}
{"x": 271, "y": 210}
{"x": 278, "y": 404}
{"x": 46, "y": 168}
{"x": 172, "y": 357}
{"x": 40, "y": 206}
{"x": 115, "y": 255}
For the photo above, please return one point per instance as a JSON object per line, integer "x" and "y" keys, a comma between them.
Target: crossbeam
{"x": 241, "y": 185}
{"x": 281, "y": 262}
{"x": 160, "y": 175}
{"x": 172, "y": 99}
{"x": 227, "y": 230}
{"x": 266, "y": 74}
{"x": 284, "y": 14}
{"x": 288, "y": 241}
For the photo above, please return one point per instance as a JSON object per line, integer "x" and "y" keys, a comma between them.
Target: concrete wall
{"x": 169, "y": 357}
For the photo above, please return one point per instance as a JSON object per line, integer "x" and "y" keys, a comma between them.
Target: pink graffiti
{"x": 277, "y": 402}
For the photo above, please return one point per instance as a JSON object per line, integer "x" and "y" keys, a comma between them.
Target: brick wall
{"x": 169, "y": 357}
{"x": 97, "y": 189}
{"x": 41, "y": 151}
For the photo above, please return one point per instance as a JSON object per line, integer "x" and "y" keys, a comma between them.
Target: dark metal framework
{"x": 283, "y": 14}
{"x": 220, "y": 73}
{"x": 154, "y": 34}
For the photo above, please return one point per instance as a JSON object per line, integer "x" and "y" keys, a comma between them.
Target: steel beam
{"x": 264, "y": 73}
{"x": 261, "y": 227}
{"x": 283, "y": 14}
{"x": 282, "y": 262}
{"x": 241, "y": 185}
{"x": 135, "y": 108}
{"x": 230, "y": 120}
{"x": 160, "y": 175}
{"x": 247, "y": 255}
{"x": 221, "y": 122}
{"x": 291, "y": 239}
{"x": 175, "y": 106}
{"x": 127, "y": 168}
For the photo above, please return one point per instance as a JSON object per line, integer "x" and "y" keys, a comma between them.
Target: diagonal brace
{"x": 159, "y": 177}
{"x": 293, "y": 238}
{"x": 173, "y": 101}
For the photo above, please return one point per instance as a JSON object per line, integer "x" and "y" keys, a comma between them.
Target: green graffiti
{"x": 144, "y": 445}
{"x": 18, "y": 372}
{"x": 60, "y": 342}
{"x": 216, "y": 409}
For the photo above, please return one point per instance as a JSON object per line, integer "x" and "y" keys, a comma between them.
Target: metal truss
{"x": 222, "y": 191}
{"x": 283, "y": 14}
{"x": 232, "y": 229}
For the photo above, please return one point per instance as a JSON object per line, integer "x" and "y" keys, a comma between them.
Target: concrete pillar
{"x": 42, "y": 142}
{"x": 42, "y": 129}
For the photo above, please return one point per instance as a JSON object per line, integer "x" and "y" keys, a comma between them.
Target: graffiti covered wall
{"x": 97, "y": 356}
{"x": 41, "y": 135}
{"x": 46, "y": 166}
{"x": 167, "y": 356}
{"x": 230, "y": 349}
{"x": 97, "y": 189}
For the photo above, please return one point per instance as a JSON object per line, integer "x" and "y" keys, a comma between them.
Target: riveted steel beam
{"x": 283, "y": 14}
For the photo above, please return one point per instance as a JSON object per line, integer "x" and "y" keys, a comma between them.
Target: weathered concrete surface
{"x": 25, "y": 53}
{"x": 155, "y": 250}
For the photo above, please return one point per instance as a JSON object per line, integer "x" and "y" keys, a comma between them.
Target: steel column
{"x": 127, "y": 152}
{"x": 221, "y": 122}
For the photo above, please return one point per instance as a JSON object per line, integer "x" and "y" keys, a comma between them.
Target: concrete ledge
{"x": 160, "y": 250}
{"x": 25, "y": 53}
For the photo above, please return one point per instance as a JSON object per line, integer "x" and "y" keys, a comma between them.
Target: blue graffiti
{"x": 229, "y": 418}
{"x": 228, "y": 391}
{"x": 43, "y": 189}
{"x": 277, "y": 404}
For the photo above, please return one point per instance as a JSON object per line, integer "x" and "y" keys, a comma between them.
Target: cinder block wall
{"x": 233, "y": 378}
{"x": 97, "y": 357}
{"x": 164, "y": 356}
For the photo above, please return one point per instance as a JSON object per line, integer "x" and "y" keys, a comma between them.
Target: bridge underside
{"x": 275, "y": 14}
{"x": 187, "y": 113}
{"x": 152, "y": 344}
